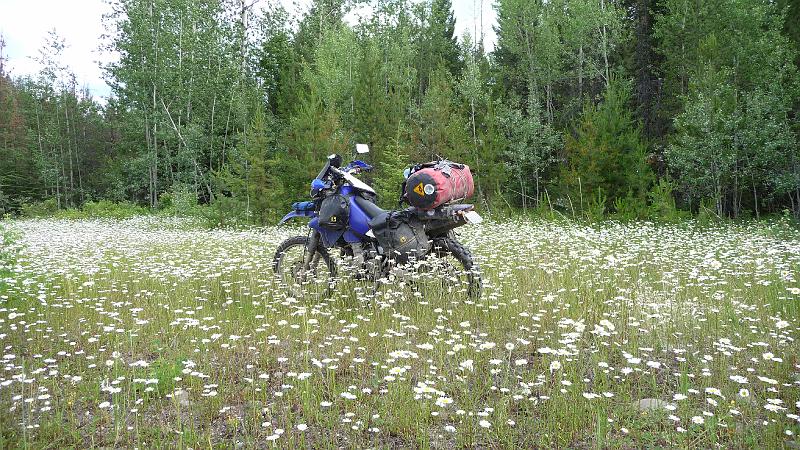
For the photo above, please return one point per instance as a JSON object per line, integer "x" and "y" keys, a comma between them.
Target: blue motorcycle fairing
{"x": 303, "y": 206}
{"x": 329, "y": 237}
{"x": 351, "y": 237}
{"x": 359, "y": 221}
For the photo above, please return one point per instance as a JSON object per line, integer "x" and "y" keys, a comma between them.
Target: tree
{"x": 607, "y": 155}
{"x": 322, "y": 16}
{"x": 441, "y": 129}
{"x": 531, "y": 149}
{"x": 472, "y": 89}
{"x": 278, "y": 64}
{"x": 18, "y": 176}
{"x": 334, "y": 71}
{"x": 724, "y": 105}
{"x": 181, "y": 70}
{"x": 644, "y": 64}
{"x": 556, "y": 52}
{"x": 437, "y": 42}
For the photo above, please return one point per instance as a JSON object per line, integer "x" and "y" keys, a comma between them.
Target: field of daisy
{"x": 150, "y": 332}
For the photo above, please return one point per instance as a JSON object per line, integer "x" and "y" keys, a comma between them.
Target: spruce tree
{"x": 606, "y": 157}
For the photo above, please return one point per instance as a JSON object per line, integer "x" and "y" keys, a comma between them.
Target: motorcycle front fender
{"x": 294, "y": 214}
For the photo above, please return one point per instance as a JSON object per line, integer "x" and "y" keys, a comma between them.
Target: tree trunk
{"x": 580, "y": 72}
{"x": 605, "y": 44}
{"x": 62, "y": 174}
{"x": 154, "y": 161}
{"x": 69, "y": 153}
{"x": 80, "y": 177}
{"x": 644, "y": 61}
{"x": 755, "y": 199}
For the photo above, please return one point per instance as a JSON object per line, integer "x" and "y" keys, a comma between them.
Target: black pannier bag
{"x": 334, "y": 212}
{"x": 402, "y": 235}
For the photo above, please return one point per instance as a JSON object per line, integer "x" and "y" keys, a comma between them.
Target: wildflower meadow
{"x": 151, "y": 332}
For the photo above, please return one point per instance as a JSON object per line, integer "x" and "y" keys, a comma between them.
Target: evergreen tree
{"x": 441, "y": 128}
{"x": 437, "y": 43}
{"x": 607, "y": 155}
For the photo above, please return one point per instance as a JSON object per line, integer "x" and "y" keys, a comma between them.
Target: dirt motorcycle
{"x": 415, "y": 246}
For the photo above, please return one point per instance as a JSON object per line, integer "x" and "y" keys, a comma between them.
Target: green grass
{"x": 192, "y": 343}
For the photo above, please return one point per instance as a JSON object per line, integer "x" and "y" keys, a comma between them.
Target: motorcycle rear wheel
{"x": 453, "y": 269}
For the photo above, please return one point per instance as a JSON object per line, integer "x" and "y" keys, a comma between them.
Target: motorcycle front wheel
{"x": 289, "y": 266}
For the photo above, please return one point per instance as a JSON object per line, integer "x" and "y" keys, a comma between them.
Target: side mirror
{"x": 362, "y": 148}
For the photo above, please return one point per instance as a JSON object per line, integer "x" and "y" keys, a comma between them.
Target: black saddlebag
{"x": 334, "y": 212}
{"x": 401, "y": 234}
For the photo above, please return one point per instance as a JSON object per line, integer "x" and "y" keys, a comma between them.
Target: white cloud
{"x": 25, "y": 24}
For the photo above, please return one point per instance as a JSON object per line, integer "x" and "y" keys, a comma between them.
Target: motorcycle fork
{"x": 311, "y": 249}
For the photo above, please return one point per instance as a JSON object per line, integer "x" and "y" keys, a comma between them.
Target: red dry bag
{"x": 434, "y": 184}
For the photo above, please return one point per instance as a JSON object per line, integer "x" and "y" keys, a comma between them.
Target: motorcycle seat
{"x": 370, "y": 209}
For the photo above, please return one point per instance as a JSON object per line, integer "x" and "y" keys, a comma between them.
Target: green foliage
{"x": 608, "y": 152}
{"x": 662, "y": 202}
{"x": 531, "y": 150}
{"x": 595, "y": 208}
{"x": 441, "y": 130}
{"x": 556, "y": 52}
{"x": 783, "y": 226}
{"x": 45, "y": 208}
{"x": 225, "y": 212}
{"x": 111, "y": 210}
{"x": 437, "y": 45}
{"x": 181, "y": 200}
{"x": 249, "y": 178}
{"x": 388, "y": 177}
{"x": 101, "y": 209}
{"x": 333, "y": 75}
{"x": 707, "y": 212}
{"x": 732, "y": 138}
{"x": 220, "y": 104}
{"x": 278, "y": 62}
{"x": 630, "y": 208}
{"x": 8, "y": 255}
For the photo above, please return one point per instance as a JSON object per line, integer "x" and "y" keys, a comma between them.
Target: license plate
{"x": 473, "y": 217}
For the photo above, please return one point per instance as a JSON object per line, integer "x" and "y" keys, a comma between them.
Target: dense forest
{"x": 589, "y": 107}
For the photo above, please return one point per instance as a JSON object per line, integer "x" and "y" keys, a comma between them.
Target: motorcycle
{"x": 416, "y": 247}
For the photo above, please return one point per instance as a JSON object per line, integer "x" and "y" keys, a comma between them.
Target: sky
{"x": 24, "y": 24}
